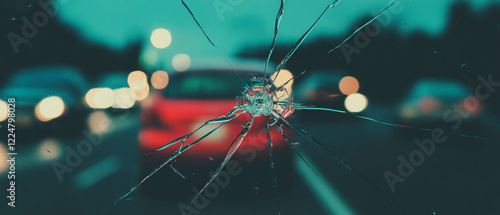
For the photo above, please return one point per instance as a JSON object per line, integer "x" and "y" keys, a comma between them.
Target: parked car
{"x": 48, "y": 98}
{"x": 190, "y": 99}
{"x": 439, "y": 103}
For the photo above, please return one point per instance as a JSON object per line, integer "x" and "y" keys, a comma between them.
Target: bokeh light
{"x": 409, "y": 112}
{"x": 50, "y": 108}
{"x": 3, "y": 156}
{"x": 356, "y": 103}
{"x": 89, "y": 98}
{"x": 181, "y": 62}
{"x": 161, "y": 38}
{"x": 104, "y": 98}
{"x": 141, "y": 93}
{"x": 159, "y": 79}
{"x": 429, "y": 104}
{"x": 282, "y": 78}
{"x": 349, "y": 85}
{"x": 472, "y": 105}
{"x": 99, "y": 122}
{"x": 138, "y": 82}
{"x": 100, "y": 98}
{"x": 4, "y": 112}
{"x": 124, "y": 98}
{"x": 137, "y": 78}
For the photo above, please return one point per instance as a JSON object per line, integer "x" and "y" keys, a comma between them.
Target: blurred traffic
{"x": 432, "y": 103}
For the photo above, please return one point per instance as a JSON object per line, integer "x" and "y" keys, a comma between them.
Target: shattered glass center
{"x": 258, "y": 100}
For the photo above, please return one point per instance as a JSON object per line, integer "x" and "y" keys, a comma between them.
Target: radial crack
{"x": 178, "y": 152}
{"x": 271, "y": 164}
{"x": 211, "y": 42}
{"x": 334, "y": 155}
{"x": 301, "y": 40}
{"x": 232, "y": 149}
{"x": 356, "y": 31}
{"x": 273, "y": 45}
{"x": 305, "y": 107}
{"x": 225, "y": 118}
{"x": 292, "y": 78}
{"x": 294, "y": 149}
{"x": 276, "y": 102}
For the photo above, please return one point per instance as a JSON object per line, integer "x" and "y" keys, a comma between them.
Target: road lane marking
{"x": 326, "y": 193}
{"x": 97, "y": 172}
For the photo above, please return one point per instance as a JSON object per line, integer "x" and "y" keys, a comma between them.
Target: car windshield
{"x": 206, "y": 85}
{"x": 249, "y": 107}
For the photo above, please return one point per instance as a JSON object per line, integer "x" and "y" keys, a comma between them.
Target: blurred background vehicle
{"x": 329, "y": 89}
{"x": 439, "y": 103}
{"x": 48, "y": 99}
{"x": 321, "y": 89}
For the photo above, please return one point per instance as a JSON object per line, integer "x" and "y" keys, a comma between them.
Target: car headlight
{"x": 50, "y": 108}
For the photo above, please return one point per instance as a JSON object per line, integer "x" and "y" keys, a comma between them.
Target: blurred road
{"x": 458, "y": 178}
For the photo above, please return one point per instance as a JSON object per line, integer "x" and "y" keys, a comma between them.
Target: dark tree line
{"x": 53, "y": 43}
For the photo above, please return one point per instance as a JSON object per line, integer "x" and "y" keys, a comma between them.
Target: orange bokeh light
{"x": 349, "y": 85}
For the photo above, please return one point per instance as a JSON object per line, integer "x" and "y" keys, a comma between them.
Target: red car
{"x": 192, "y": 98}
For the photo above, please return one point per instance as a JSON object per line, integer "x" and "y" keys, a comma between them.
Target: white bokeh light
{"x": 181, "y": 62}
{"x": 161, "y": 38}
{"x": 356, "y": 102}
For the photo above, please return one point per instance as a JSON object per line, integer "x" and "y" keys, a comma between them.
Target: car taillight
{"x": 429, "y": 105}
{"x": 472, "y": 105}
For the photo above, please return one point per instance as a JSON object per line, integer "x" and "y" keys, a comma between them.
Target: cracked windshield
{"x": 250, "y": 107}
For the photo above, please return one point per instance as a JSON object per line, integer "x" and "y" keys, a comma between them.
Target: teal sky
{"x": 245, "y": 23}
